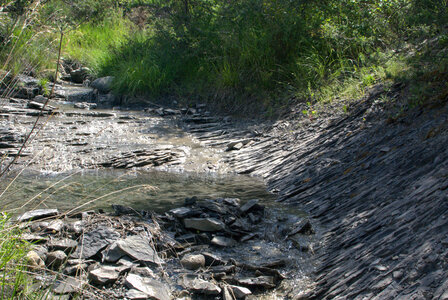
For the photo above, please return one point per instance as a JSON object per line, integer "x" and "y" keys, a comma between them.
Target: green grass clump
{"x": 13, "y": 263}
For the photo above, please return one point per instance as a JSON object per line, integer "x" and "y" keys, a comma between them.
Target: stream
{"x": 90, "y": 159}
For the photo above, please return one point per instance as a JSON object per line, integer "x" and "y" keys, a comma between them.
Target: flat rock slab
{"x": 200, "y": 286}
{"x": 38, "y": 214}
{"x": 66, "y": 245}
{"x": 94, "y": 241}
{"x": 139, "y": 249}
{"x": 266, "y": 282}
{"x": 223, "y": 241}
{"x": 153, "y": 288}
{"x": 204, "y": 224}
{"x": 69, "y": 285}
{"x": 106, "y": 274}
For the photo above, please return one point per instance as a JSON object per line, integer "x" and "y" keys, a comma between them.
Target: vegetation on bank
{"x": 240, "y": 55}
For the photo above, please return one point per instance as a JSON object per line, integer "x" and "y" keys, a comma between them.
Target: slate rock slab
{"x": 204, "y": 224}
{"x": 38, "y": 214}
{"x": 66, "y": 245}
{"x": 139, "y": 249}
{"x": 69, "y": 285}
{"x": 94, "y": 241}
{"x": 153, "y": 288}
{"x": 266, "y": 282}
{"x": 200, "y": 286}
{"x": 106, "y": 274}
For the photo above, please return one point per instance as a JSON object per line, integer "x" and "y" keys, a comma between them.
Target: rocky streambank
{"x": 374, "y": 175}
{"x": 205, "y": 249}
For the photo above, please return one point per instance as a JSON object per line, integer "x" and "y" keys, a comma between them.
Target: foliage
{"x": 252, "y": 51}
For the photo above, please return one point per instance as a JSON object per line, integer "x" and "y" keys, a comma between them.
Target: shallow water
{"x": 143, "y": 190}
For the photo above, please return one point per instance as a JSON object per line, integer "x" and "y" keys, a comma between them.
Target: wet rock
{"x": 103, "y": 84}
{"x": 223, "y": 241}
{"x": 56, "y": 259}
{"x": 66, "y": 245}
{"x": 232, "y": 201}
{"x": 204, "y": 224}
{"x": 154, "y": 289}
{"x": 251, "y": 205}
{"x": 239, "y": 291}
{"x": 85, "y": 105}
{"x": 69, "y": 285}
{"x": 107, "y": 99}
{"x": 40, "y": 106}
{"x": 94, "y": 241}
{"x": 190, "y": 201}
{"x": 184, "y": 212}
{"x": 34, "y": 260}
{"x": 38, "y": 214}
{"x": 105, "y": 274}
{"x": 200, "y": 286}
{"x": 193, "y": 262}
{"x": 40, "y": 99}
{"x": 222, "y": 269}
{"x": 303, "y": 227}
{"x": 264, "y": 282}
{"x": 139, "y": 249}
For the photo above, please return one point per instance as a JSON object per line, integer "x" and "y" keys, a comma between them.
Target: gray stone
{"x": 55, "y": 226}
{"x": 103, "y": 84}
{"x": 240, "y": 292}
{"x": 212, "y": 259}
{"x": 106, "y": 274}
{"x": 249, "y": 205}
{"x": 154, "y": 289}
{"x": 226, "y": 294}
{"x": 69, "y": 285}
{"x": 266, "y": 282}
{"x": 56, "y": 259}
{"x": 75, "y": 227}
{"x": 75, "y": 270}
{"x": 192, "y": 261}
{"x": 66, "y": 245}
{"x": 139, "y": 249}
{"x": 79, "y": 94}
{"x": 184, "y": 212}
{"x": 94, "y": 241}
{"x": 200, "y": 286}
{"x": 34, "y": 238}
{"x": 38, "y": 214}
{"x": 79, "y": 75}
{"x": 204, "y": 224}
{"x": 34, "y": 260}
{"x": 134, "y": 294}
{"x": 113, "y": 253}
{"x": 223, "y": 241}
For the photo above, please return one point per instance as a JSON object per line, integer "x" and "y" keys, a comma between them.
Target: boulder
{"x": 204, "y": 224}
{"x": 103, "y": 84}
{"x": 192, "y": 261}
